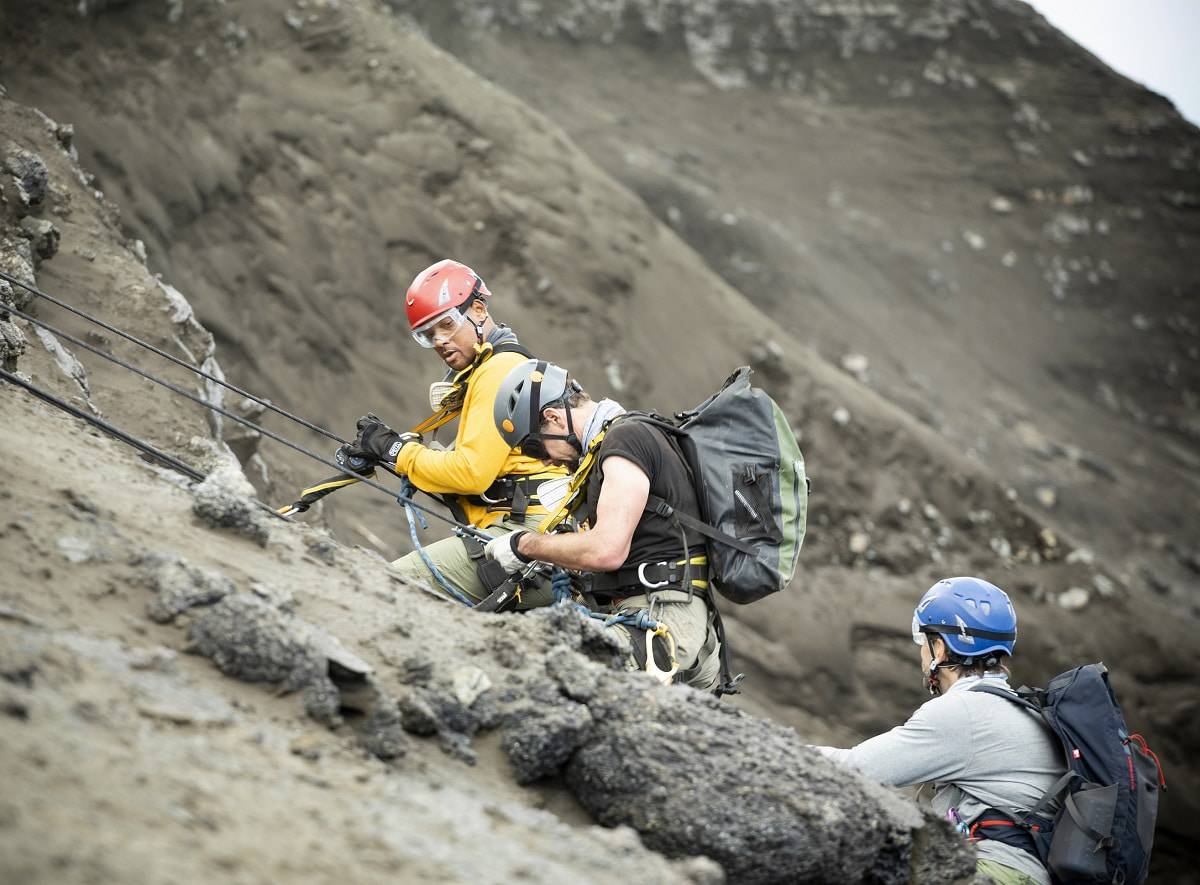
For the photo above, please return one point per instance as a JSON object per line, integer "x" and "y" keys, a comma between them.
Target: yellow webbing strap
{"x": 330, "y": 485}
{"x": 700, "y": 559}
{"x": 313, "y": 494}
{"x": 452, "y": 402}
{"x": 578, "y": 480}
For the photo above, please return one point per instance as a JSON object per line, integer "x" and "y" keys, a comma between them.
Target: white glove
{"x": 504, "y": 550}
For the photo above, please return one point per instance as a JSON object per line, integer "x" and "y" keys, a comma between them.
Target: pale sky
{"x": 1155, "y": 42}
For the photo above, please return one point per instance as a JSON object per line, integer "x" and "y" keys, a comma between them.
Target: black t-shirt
{"x": 655, "y": 539}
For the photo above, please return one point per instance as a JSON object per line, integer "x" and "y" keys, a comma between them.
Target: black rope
{"x": 458, "y": 527}
{"x": 115, "y": 432}
{"x": 158, "y": 350}
{"x": 143, "y": 446}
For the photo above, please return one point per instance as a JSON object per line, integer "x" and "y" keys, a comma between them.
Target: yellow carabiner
{"x": 663, "y": 676}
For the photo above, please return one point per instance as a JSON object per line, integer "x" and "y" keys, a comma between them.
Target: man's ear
{"x": 479, "y": 311}
{"x": 556, "y": 415}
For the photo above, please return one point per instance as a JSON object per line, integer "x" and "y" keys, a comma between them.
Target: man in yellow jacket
{"x": 483, "y": 480}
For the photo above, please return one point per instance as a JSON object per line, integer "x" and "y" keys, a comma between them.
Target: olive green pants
{"x": 992, "y": 872}
{"x": 450, "y": 557}
{"x": 690, "y": 623}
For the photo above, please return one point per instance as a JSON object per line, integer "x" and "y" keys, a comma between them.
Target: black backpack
{"x": 1096, "y": 824}
{"x": 748, "y": 474}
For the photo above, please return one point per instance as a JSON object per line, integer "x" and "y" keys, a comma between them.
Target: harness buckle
{"x": 650, "y": 585}
{"x": 505, "y": 496}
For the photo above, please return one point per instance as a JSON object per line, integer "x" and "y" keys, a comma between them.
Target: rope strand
{"x": 158, "y": 350}
{"x": 458, "y": 527}
{"x": 141, "y": 445}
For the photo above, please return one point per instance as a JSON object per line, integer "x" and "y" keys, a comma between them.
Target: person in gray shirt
{"x": 982, "y": 753}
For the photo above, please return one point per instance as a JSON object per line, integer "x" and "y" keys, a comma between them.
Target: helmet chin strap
{"x": 572, "y": 439}
{"x": 478, "y": 327}
{"x": 931, "y": 680}
{"x": 951, "y": 660}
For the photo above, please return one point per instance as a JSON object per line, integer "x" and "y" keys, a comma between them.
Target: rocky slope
{"x": 288, "y": 167}
{"x": 193, "y": 690}
{"x": 949, "y": 199}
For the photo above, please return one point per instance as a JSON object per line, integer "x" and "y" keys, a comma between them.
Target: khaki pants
{"x": 450, "y": 557}
{"x": 697, "y": 649}
{"x": 993, "y": 873}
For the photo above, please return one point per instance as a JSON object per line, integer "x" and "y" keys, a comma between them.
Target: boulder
{"x": 252, "y": 640}
{"x": 29, "y": 177}
{"x": 225, "y": 500}
{"x": 540, "y": 739}
{"x": 694, "y": 776}
{"x": 442, "y": 708}
{"x": 178, "y": 587}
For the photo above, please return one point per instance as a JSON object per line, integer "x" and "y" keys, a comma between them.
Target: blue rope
{"x": 403, "y": 498}
{"x": 560, "y": 583}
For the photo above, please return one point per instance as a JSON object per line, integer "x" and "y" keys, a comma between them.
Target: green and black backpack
{"x": 749, "y": 477}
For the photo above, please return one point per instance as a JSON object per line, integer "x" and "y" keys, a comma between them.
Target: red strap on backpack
{"x": 1145, "y": 748}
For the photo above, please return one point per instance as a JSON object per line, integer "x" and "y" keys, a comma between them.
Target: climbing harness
{"x": 652, "y": 576}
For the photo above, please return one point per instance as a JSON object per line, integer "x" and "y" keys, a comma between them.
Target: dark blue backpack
{"x": 1096, "y": 824}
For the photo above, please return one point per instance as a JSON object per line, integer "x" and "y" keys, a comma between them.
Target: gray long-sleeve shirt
{"x": 978, "y": 750}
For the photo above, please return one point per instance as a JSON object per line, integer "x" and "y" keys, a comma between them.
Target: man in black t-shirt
{"x": 640, "y": 560}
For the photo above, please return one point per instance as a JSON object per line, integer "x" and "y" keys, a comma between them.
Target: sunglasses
{"x": 918, "y": 634}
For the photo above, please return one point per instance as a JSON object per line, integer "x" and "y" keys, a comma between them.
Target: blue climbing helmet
{"x": 974, "y": 618}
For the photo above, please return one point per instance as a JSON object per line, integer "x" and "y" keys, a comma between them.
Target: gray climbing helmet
{"x": 527, "y": 391}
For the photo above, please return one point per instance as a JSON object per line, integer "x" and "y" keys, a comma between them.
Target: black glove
{"x": 346, "y": 457}
{"x": 379, "y": 442}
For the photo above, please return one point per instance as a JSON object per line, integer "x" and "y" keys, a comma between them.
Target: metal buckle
{"x": 483, "y": 496}
{"x": 641, "y": 574}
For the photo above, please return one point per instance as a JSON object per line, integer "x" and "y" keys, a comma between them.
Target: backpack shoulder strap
{"x": 1008, "y": 695}
{"x": 660, "y": 507}
{"x": 512, "y": 347}
{"x": 1045, "y": 806}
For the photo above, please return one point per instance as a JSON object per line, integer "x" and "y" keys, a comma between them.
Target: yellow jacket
{"x": 480, "y": 456}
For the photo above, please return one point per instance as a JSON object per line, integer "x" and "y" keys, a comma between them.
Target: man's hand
{"x": 359, "y": 464}
{"x": 504, "y": 551}
{"x": 378, "y": 442}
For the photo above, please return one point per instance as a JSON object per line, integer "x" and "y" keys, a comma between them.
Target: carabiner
{"x": 663, "y": 676}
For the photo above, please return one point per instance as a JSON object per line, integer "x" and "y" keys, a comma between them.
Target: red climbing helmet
{"x": 440, "y": 288}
